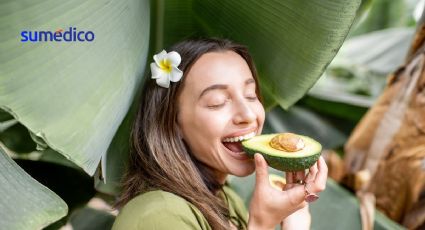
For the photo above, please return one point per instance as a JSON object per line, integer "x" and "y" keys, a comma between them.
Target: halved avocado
{"x": 284, "y": 160}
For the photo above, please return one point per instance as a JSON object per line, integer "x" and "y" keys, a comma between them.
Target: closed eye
{"x": 252, "y": 98}
{"x": 215, "y": 106}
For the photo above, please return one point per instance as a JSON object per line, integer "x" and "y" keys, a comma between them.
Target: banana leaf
{"x": 25, "y": 203}
{"x": 74, "y": 96}
{"x": 304, "y": 121}
{"x": 336, "y": 208}
{"x": 288, "y": 63}
{"x": 91, "y": 219}
{"x": 379, "y": 51}
{"x": 4, "y": 116}
{"x": 292, "y": 41}
{"x": 384, "y": 14}
{"x": 16, "y": 137}
{"x": 357, "y": 75}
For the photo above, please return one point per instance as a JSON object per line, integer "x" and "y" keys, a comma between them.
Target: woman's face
{"x": 218, "y": 105}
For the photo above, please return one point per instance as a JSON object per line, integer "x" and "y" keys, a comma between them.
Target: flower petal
{"x": 174, "y": 58}
{"x": 160, "y": 56}
{"x": 156, "y": 71}
{"x": 163, "y": 81}
{"x": 175, "y": 74}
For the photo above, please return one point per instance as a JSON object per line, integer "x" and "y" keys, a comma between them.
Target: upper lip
{"x": 242, "y": 132}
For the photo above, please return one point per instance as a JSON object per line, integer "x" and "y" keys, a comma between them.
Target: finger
{"x": 322, "y": 175}
{"x": 312, "y": 172}
{"x": 261, "y": 173}
{"x": 299, "y": 177}
{"x": 289, "y": 176}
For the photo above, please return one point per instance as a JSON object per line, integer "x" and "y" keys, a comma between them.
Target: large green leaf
{"x": 91, "y": 219}
{"x": 25, "y": 203}
{"x": 4, "y": 116}
{"x": 107, "y": 180}
{"x": 289, "y": 63}
{"x": 339, "y": 105}
{"x": 73, "y": 95}
{"x": 380, "y": 51}
{"x": 357, "y": 75}
{"x": 292, "y": 41}
{"x": 337, "y": 208}
{"x": 16, "y": 137}
{"x": 383, "y": 14}
{"x": 303, "y": 121}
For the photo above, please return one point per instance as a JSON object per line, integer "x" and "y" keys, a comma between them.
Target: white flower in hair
{"x": 164, "y": 69}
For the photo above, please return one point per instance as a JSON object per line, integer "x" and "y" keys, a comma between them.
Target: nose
{"x": 244, "y": 114}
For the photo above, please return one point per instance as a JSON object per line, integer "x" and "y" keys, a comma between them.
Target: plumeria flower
{"x": 164, "y": 69}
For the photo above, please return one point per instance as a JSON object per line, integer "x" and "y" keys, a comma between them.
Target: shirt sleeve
{"x": 159, "y": 210}
{"x": 168, "y": 219}
{"x": 237, "y": 210}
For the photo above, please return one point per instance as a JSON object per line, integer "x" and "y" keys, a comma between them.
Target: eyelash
{"x": 251, "y": 98}
{"x": 218, "y": 106}
{"x": 215, "y": 106}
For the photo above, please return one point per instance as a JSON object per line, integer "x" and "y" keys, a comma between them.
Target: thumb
{"x": 261, "y": 173}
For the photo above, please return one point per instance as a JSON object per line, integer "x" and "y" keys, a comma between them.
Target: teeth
{"x": 240, "y": 138}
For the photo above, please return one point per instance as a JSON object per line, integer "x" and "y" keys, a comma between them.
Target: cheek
{"x": 202, "y": 129}
{"x": 202, "y": 134}
{"x": 260, "y": 112}
{"x": 210, "y": 125}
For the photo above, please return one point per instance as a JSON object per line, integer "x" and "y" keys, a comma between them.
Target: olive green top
{"x": 159, "y": 210}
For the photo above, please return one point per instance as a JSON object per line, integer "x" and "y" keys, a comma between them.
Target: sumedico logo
{"x": 60, "y": 35}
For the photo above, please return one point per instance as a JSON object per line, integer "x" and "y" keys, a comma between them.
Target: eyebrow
{"x": 222, "y": 87}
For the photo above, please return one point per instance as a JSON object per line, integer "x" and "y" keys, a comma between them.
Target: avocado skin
{"x": 286, "y": 164}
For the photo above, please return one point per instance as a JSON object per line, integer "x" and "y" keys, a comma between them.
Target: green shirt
{"x": 159, "y": 210}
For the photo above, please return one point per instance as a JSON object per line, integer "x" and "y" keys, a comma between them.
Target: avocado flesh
{"x": 277, "y": 182}
{"x": 282, "y": 160}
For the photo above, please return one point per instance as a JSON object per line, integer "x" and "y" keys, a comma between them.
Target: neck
{"x": 220, "y": 177}
{"x": 213, "y": 179}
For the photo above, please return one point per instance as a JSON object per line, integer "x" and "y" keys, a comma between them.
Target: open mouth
{"x": 234, "y": 143}
{"x": 234, "y": 146}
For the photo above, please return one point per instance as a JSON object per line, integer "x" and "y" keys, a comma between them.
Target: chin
{"x": 243, "y": 170}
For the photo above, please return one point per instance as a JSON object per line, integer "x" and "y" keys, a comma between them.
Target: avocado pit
{"x": 288, "y": 142}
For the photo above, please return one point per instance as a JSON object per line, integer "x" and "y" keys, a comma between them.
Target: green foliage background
{"x": 66, "y": 108}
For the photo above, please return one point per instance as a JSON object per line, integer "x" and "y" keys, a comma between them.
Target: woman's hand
{"x": 270, "y": 206}
{"x": 300, "y": 219}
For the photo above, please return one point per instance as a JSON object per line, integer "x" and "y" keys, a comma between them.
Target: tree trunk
{"x": 385, "y": 155}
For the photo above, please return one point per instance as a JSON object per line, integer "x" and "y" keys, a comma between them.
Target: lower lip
{"x": 238, "y": 156}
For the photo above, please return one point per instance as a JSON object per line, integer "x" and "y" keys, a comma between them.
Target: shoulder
{"x": 159, "y": 210}
{"x": 237, "y": 209}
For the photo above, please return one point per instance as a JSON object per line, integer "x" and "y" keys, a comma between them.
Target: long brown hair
{"x": 159, "y": 158}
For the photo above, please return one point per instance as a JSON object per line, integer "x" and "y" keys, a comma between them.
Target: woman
{"x": 183, "y": 147}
